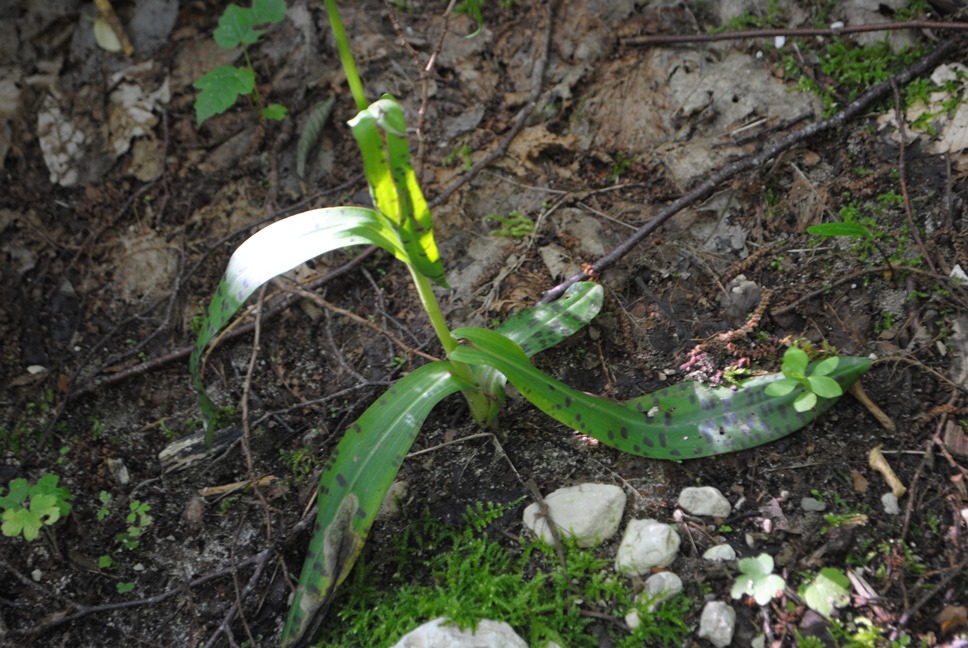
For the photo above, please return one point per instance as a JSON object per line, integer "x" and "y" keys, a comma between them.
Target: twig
{"x": 902, "y": 175}
{"x": 537, "y": 80}
{"x": 671, "y": 39}
{"x": 305, "y": 294}
{"x": 277, "y": 307}
{"x": 731, "y": 170}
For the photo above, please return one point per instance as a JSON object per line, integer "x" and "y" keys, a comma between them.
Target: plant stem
{"x": 429, "y": 301}
{"x": 346, "y": 56}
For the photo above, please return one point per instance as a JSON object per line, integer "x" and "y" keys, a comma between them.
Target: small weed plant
{"x": 27, "y": 508}
{"x": 687, "y": 420}
{"x": 466, "y": 577}
{"x": 220, "y": 88}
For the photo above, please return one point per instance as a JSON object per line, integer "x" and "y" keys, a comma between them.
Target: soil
{"x": 116, "y": 224}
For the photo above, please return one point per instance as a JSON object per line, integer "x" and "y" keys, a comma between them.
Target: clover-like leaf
{"x": 757, "y": 579}
{"x": 19, "y": 491}
{"x": 21, "y": 520}
{"x": 827, "y": 591}
{"x": 268, "y": 11}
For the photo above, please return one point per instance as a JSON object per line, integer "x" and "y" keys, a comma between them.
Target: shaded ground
{"x": 109, "y": 258}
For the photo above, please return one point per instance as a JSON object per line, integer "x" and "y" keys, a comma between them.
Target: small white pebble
{"x": 811, "y": 504}
{"x": 717, "y": 623}
{"x": 720, "y": 553}
{"x": 837, "y": 25}
{"x": 36, "y": 575}
{"x": 889, "y": 502}
{"x": 779, "y": 42}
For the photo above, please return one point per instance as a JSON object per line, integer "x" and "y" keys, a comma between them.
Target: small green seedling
{"x": 220, "y": 88}
{"x": 29, "y": 507}
{"x": 828, "y": 591}
{"x": 687, "y": 420}
{"x": 138, "y": 520}
{"x": 757, "y": 579}
{"x": 514, "y": 226}
{"x": 817, "y": 384}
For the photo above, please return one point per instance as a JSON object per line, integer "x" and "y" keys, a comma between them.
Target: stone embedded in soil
{"x": 589, "y": 513}
{"x": 717, "y": 623}
{"x": 720, "y": 553}
{"x": 810, "y": 504}
{"x": 890, "y": 504}
{"x": 646, "y": 544}
{"x": 659, "y": 587}
{"x": 704, "y": 501}
{"x": 489, "y": 634}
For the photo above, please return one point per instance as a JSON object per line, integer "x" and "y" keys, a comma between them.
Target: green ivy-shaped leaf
{"x": 268, "y": 11}
{"x": 757, "y": 579}
{"x": 829, "y": 590}
{"x": 235, "y": 27}
{"x": 220, "y": 89}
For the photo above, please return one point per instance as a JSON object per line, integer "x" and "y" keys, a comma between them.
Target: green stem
{"x": 346, "y": 56}
{"x": 483, "y": 406}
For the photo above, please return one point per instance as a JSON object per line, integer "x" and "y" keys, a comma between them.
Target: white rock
{"x": 646, "y": 544}
{"x": 632, "y": 619}
{"x": 659, "y": 587}
{"x": 717, "y": 623}
{"x": 811, "y": 504}
{"x": 889, "y": 502}
{"x": 720, "y": 553}
{"x": 434, "y": 634}
{"x": 704, "y": 500}
{"x": 590, "y": 513}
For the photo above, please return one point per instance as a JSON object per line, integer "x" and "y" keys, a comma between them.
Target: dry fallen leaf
{"x": 952, "y": 618}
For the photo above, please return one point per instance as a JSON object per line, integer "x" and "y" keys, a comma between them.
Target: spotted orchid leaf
{"x": 380, "y": 132}
{"x": 279, "y": 248}
{"x": 684, "y": 421}
{"x": 354, "y": 483}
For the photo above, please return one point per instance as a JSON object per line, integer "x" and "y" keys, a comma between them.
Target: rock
{"x": 720, "y": 553}
{"x": 812, "y": 505}
{"x": 646, "y": 544}
{"x": 434, "y": 634}
{"x": 589, "y": 513}
{"x": 889, "y": 502}
{"x": 659, "y": 587}
{"x": 704, "y": 501}
{"x": 717, "y": 623}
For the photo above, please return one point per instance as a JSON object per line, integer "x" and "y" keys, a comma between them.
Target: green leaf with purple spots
{"x": 278, "y": 248}
{"x": 684, "y": 421}
{"x": 354, "y": 483}
{"x": 380, "y": 132}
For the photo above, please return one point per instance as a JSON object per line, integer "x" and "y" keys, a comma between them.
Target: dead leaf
{"x": 955, "y": 438}
{"x": 952, "y": 618}
{"x": 860, "y": 482}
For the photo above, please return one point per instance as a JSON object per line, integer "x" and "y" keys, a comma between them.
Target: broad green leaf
{"x": 279, "y": 248}
{"x": 825, "y": 366}
{"x": 829, "y": 590}
{"x": 353, "y": 484}
{"x": 855, "y": 230}
{"x": 275, "y": 112}
{"x": 268, "y": 11}
{"x": 825, "y": 386}
{"x": 220, "y": 89}
{"x": 683, "y": 421}
{"x": 782, "y": 387}
{"x": 794, "y": 362}
{"x": 235, "y": 27}
{"x": 542, "y": 327}
{"x": 757, "y": 579}
{"x": 380, "y": 132}
{"x": 21, "y": 520}
{"x": 805, "y": 402}
{"x": 47, "y": 485}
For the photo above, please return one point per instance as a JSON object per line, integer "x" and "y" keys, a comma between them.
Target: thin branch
{"x": 667, "y": 39}
{"x": 748, "y": 163}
